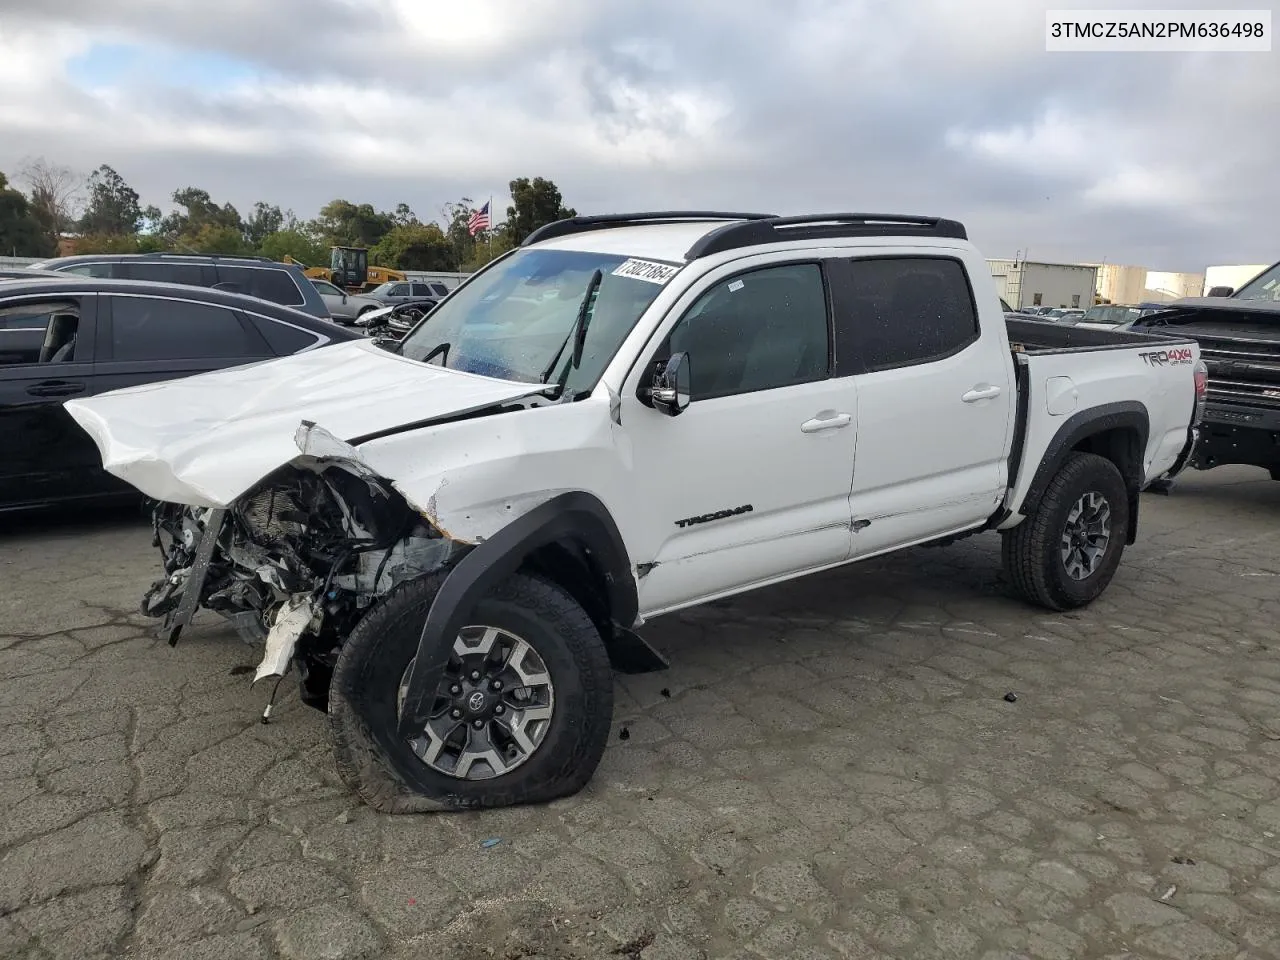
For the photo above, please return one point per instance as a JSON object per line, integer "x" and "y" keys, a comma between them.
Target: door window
{"x": 143, "y": 328}
{"x": 399, "y": 290}
{"x": 327, "y": 289}
{"x": 100, "y": 269}
{"x": 265, "y": 284}
{"x": 421, "y": 290}
{"x": 33, "y": 333}
{"x": 898, "y": 311}
{"x": 190, "y": 274}
{"x": 438, "y": 290}
{"x": 756, "y": 331}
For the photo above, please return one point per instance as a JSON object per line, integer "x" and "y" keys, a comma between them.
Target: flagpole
{"x": 490, "y": 230}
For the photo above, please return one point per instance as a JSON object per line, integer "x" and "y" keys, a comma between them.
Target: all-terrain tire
{"x": 1032, "y": 551}
{"x": 383, "y": 769}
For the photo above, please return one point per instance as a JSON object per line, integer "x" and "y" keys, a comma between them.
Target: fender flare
{"x": 1130, "y": 414}
{"x": 576, "y": 515}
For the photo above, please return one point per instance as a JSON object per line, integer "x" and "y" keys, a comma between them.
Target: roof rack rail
{"x": 178, "y": 255}
{"x": 820, "y": 226}
{"x": 563, "y": 228}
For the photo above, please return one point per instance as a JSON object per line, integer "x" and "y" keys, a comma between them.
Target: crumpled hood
{"x": 205, "y": 440}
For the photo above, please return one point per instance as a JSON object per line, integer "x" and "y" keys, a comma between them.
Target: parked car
{"x": 345, "y": 308}
{"x": 24, "y": 273}
{"x": 399, "y": 291}
{"x": 282, "y": 283}
{"x": 1239, "y": 336}
{"x": 625, "y": 417}
{"x": 77, "y": 337}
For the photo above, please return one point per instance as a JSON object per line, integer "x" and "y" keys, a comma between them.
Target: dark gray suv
{"x": 261, "y": 277}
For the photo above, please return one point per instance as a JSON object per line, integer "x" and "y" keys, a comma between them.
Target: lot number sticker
{"x": 646, "y": 270}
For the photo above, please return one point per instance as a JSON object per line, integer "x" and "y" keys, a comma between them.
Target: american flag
{"x": 479, "y": 220}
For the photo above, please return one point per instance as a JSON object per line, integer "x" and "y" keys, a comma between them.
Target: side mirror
{"x": 344, "y": 298}
{"x": 1221, "y": 291}
{"x": 670, "y": 389}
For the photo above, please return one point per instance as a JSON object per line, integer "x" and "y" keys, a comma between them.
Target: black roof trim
{"x": 161, "y": 255}
{"x": 82, "y": 286}
{"x": 820, "y": 226}
{"x": 563, "y": 228}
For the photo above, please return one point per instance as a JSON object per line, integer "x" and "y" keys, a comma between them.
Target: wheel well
{"x": 1123, "y": 447}
{"x": 569, "y": 565}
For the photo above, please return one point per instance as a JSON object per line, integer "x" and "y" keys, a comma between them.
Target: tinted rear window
{"x": 264, "y": 283}
{"x": 143, "y": 328}
{"x": 283, "y": 338}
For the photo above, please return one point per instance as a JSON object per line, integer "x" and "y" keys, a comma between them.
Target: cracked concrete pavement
{"x": 829, "y": 769}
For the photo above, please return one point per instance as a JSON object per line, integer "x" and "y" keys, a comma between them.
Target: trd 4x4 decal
{"x": 1161, "y": 358}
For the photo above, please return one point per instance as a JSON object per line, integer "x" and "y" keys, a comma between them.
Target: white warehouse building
{"x": 1028, "y": 283}
{"x": 1234, "y": 276}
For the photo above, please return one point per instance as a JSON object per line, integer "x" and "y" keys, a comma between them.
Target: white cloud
{"x": 934, "y": 106}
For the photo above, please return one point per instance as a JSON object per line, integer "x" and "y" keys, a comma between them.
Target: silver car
{"x": 344, "y": 307}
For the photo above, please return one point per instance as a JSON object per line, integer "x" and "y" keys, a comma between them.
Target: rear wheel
{"x": 521, "y": 716}
{"x": 1064, "y": 554}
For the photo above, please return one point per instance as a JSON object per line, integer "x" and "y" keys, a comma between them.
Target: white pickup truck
{"x": 453, "y": 538}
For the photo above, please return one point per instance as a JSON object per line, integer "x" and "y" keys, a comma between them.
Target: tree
{"x": 414, "y": 246}
{"x": 296, "y": 244}
{"x": 265, "y": 220}
{"x": 404, "y": 216}
{"x": 21, "y": 232}
{"x": 198, "y": 211}
{"x": 345, "y": 224}
{"x": 535, "y": 203}
{"x": 112, "y": 209}
{"x": 215, "y": 238}
{"x": 55, "y": 195}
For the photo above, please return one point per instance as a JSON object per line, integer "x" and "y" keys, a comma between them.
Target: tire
{"x": 363, "y": 701}
{"x": 1033, "y": 550}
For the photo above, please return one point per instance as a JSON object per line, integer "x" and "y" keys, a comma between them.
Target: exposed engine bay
{"x": 294, "y": 563}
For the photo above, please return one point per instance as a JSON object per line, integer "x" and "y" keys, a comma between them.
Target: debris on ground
{"x": 491, "y": 842}
{"x": 1011, "y": 697}
{"x": 241, "y": 669}
{"x": 1168, "y": 894}
{"x": 624, "y": 734}
{"x": 632, "y": 948}
{"x": 1184, "y": 861}
{"x": 665, "y": 692}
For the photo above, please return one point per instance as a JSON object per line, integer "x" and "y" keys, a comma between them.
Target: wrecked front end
{"x": 293, "y": 564}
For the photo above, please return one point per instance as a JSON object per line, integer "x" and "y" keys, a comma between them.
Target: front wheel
{"x": 521, "y": 716}
{"x": 1064, "y": 554}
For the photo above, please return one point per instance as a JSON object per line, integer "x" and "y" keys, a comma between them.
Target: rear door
{"x": 142, "y": 339}
{"x": 46, "y": 357}
{"x": 935, "y": 395}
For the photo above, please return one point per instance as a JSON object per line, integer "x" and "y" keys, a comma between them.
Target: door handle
{"x": 828, "y": 423}
{"x": 55, "y": 388}
{"x": 981, "y": 393}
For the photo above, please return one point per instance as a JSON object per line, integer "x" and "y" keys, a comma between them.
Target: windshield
{"x": 512, "y": 320}
{"x": 1265, "y": 287}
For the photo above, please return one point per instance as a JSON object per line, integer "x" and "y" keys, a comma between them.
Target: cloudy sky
{"x": 947, "y": 107}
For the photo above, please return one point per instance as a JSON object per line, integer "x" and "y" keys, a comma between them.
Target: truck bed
{"x": 1033, "y": 336}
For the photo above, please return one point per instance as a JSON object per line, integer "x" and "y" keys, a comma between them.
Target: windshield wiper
{"x": 578, "y": 332}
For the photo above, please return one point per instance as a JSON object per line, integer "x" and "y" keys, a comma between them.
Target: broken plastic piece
{"x": 1011, "y": 697}
{"x": 491, "y": 842}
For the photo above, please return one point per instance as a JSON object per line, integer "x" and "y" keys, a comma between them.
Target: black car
{"x": 402, "y": 291}
{"x": 75, "y": 337}
{"x": 262, "y": 277}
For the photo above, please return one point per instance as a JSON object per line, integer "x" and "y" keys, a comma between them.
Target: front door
{"x": 935, "y": 392}
{"x": 750, "y": 483}
{"x": 46, "y": 358}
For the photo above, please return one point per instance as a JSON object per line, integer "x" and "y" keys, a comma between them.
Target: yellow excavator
{"x": 349, "y": 269}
